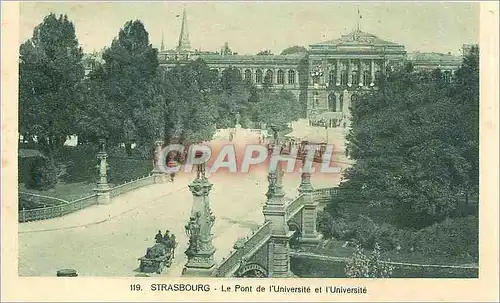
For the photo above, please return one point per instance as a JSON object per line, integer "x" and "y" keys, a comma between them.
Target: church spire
{"x": 162, "y": 47}
{"x": 184, "y": 43}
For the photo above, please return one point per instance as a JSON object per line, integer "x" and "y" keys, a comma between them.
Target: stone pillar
{"x": 102, "y": 189}
{"x": 360, "y": 72}
{"x": 201, "y": 251}
{"x": 310, "y": 235}
{"x": 337, "y": 70}
{"x": 372, "y": 72}
{"x": 349, "y": 73}
{"x": 158, "y": 175}
{"x": 275, "y": 212}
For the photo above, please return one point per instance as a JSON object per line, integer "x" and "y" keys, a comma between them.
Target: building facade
{"x": 327, "y": 78}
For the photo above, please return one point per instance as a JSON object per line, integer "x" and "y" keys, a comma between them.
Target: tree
{"x": 190, "y": 108}
{"x": 408, "y": 142}
{"x": 130, "y": 71}
{"x": 278, "y": 107}
{"x": 265, "y": 53}
{"x": 50, "y": 73}
{"x": 226, "y": 50}
{"x": 296, "y": 49}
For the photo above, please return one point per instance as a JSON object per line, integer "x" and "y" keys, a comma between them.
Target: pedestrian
{"x": 159, "y": 237}
{"x": 166, "y": 237}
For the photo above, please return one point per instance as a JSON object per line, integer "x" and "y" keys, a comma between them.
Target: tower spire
{"x": 162, "y": 47}
{"x": 184, "y": 43}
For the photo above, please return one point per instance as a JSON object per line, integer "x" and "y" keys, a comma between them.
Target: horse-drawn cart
{"x": 157, "y": 257}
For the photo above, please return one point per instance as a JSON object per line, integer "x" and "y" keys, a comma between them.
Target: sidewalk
{"x": 119, "y": 205}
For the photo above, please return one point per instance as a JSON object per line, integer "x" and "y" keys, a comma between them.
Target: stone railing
{"x": 40, "y": 199}
{"x": 325, "y": 192}
{"x": 255, "y": 130}
{"x": 294, "y": 207}
{"x": 55, "y": 211}
{"x": 66, "y": 207}
{"x": 129, "y": 186}
{"x": 230, "y": 265}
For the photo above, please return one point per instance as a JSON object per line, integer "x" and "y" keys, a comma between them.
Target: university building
{"x": 327, "y": 78}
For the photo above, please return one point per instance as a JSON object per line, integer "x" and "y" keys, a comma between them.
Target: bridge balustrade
{"x": 294, "y": 207}
{"x": 230, "y": 265}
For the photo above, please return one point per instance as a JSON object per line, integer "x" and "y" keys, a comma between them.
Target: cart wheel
{"x": 160, "y": 267}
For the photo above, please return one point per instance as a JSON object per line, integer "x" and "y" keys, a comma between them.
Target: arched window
{"x": 355, "y": 78}
{"x": 366, "y": 78}
{"x": 248, "y": 75}
{"x": 237, "y": 72}
{"x": 269, "y": 77}
{"x": 341, "y": 102}
{"x": 343, "y": 77}
{"x": 332, "y": 102}
{"x": 447, "y": 76}
{"x": 291, "y": 76}
{"x": 280, "y": 77}
{"x": 332, "y": 78}
{"x": 258, "y": 76}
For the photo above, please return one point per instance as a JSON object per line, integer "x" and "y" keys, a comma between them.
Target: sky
{"x": 250, "y": 27}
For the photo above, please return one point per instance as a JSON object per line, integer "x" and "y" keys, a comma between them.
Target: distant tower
{"x": 162, "y": 47}
{"x": 184, "y": 43}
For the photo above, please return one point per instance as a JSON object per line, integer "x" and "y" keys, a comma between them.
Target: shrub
{"x": 42, "y": 174}
{"x": 363, "y": 266}
{"x": 452, "y": 237}
{"x": 365, "y": 231}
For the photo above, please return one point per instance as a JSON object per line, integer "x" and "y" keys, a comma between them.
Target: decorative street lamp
{"x": 200, "y": 252}
{"x": 102, "y": 189}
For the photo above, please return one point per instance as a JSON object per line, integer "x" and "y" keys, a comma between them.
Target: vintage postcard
{"x": 249, "y": 151}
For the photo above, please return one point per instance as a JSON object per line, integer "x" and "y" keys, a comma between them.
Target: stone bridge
{"x": 266, "y": 252}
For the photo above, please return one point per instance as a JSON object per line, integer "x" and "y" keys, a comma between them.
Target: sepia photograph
{"x": 162, "y": 140}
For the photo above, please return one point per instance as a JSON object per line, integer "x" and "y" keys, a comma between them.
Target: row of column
{"x": 350, "y": 64}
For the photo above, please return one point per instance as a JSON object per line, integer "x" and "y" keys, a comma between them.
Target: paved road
{"x": 106, "y": 240}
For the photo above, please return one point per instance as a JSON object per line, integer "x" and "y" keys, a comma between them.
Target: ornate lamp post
{"x": 159, "y": 175}
{"x": 201, "y": 251}
{"x": 275, "y": 191}
{"x": 102, "y": 190}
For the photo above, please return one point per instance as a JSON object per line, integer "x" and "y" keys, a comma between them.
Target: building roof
{"x": 356, "y": 37}
{"x": 432, "y": 59}
{"x": 252, "y": 58}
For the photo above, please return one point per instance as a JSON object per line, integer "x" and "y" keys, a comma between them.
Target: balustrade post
{"x": 310, "y": 235}
{"x": 275, "y": 212}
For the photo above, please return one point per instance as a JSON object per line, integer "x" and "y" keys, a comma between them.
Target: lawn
{"x": 78, "y": 172}
{"x": 310, "y": 268}
{"x": 335, "y": 248}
